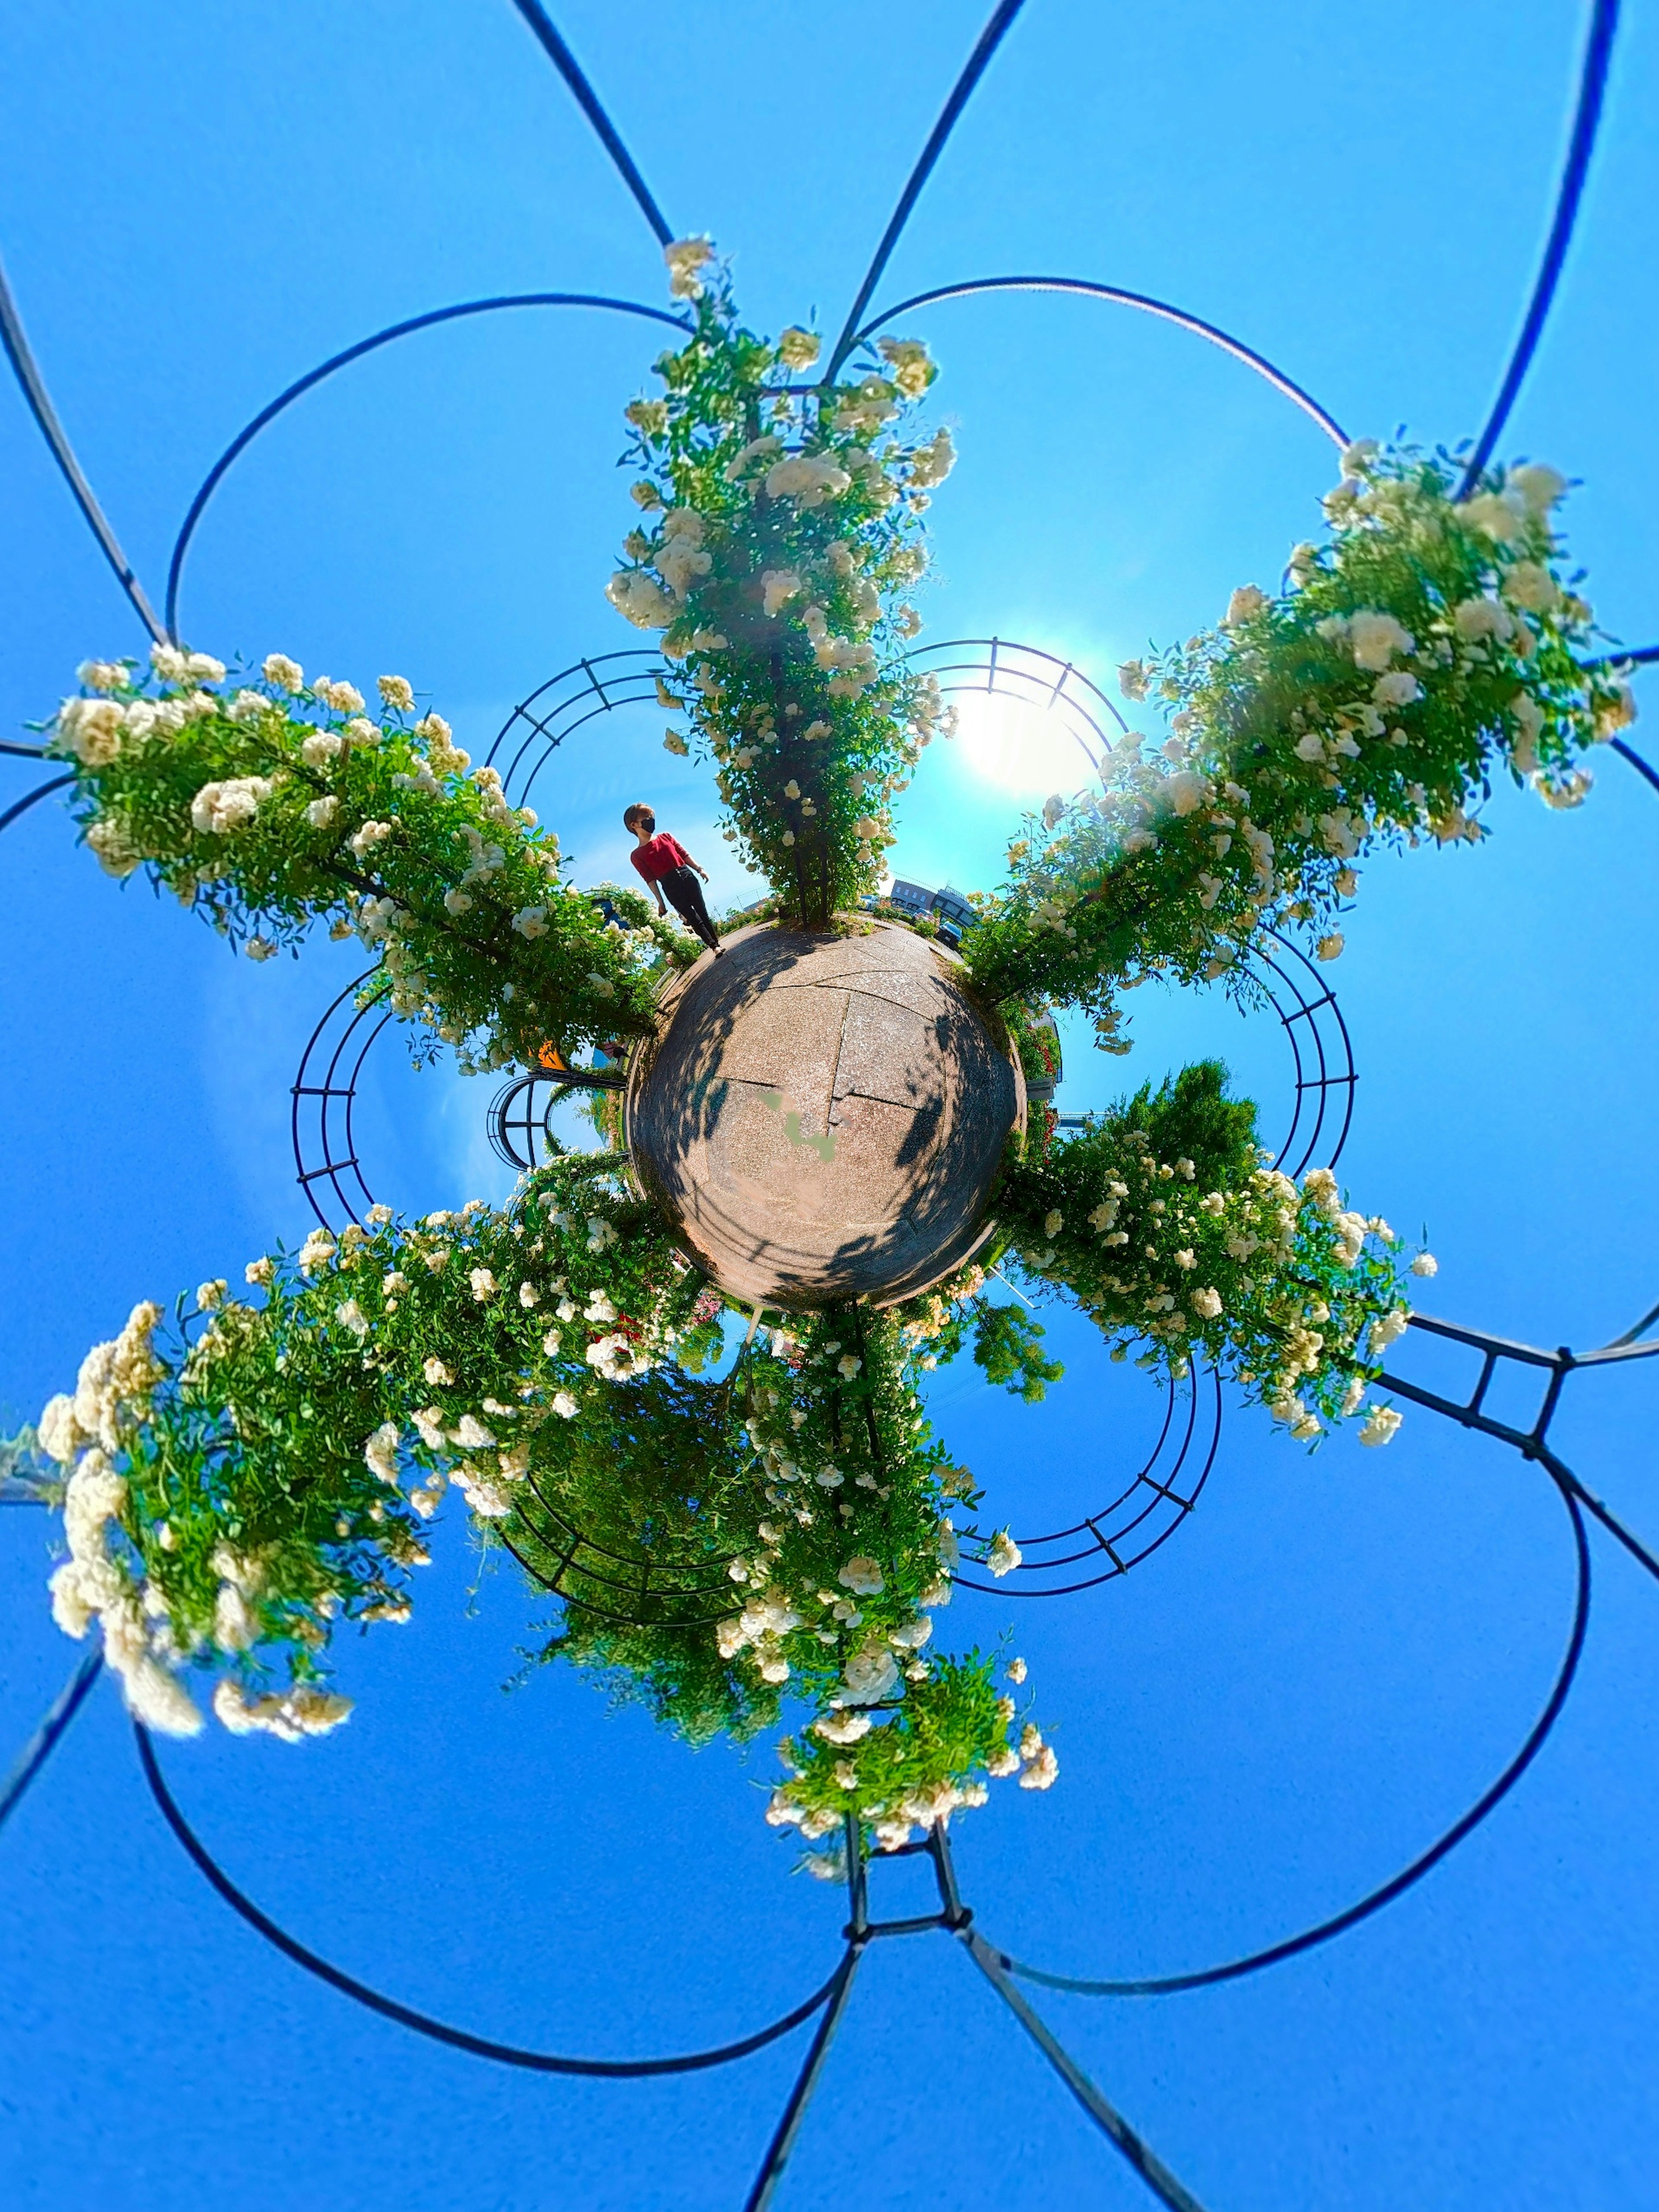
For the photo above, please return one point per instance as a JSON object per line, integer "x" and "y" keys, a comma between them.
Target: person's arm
{"x": 690, "y": 862}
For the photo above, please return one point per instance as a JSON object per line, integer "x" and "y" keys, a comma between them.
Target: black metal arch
{"x": 505, "y": 2054}
{"x": 978, "y": 62}
{"x": 547, "y": 35}
{"x": 1275, "y": 1954}
{"x": 15, "y": 341}
{"x": 1144, "y": 304}
{"x": 1592, "y": 90}
{"x": 267, "y": 415}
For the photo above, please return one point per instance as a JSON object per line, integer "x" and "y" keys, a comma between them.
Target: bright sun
{"x": 1020, "y": 747}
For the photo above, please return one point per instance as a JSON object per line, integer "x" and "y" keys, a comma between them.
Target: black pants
{"x": 683, "y": 888}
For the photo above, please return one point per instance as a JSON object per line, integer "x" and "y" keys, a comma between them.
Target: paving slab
{"x": 823, "y": 1116}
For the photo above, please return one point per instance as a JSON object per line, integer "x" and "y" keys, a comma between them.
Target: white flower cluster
{"x": 83, "y": 1433}
{"x": 779, "y": 551}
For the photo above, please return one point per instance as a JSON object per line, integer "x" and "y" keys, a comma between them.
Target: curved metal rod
{"x": 1592, "y": 87}
{"x": 1644, "y": 768}
{"x": 40, "y": 1746}
{"x": 1640, "y": 656}
{"x": 564, "y": 61}
{"x": 40, "y": 791}
{"x": 978, "y": 62}
{"x": 16, "y": 344}
{"x": 1168, "y": 1985}
{"x": 23, "y": 752}
{"x": 245, "y": 437}
{"x": 1146, "y": 305}
{"x": 505, "y": 2054}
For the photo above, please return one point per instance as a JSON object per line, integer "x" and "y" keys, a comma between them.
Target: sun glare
{"x": 1019, "y": 747}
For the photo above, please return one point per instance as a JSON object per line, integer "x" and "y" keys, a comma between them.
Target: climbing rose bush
{"x": 270, "y": 805}
{"x": 778, "y": 535}
{"x": 1426, "y": 644}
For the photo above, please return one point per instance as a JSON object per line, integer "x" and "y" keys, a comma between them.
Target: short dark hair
{"x": 637, "y": 813}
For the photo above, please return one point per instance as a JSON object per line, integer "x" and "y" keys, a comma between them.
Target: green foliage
{"x": 1426, "y": 644}
{"x": 270, "y": 807}
{"x": 1006, "y": 1345}
{"x": 248, "y": 1483}
{"x": 781, "y": 529}
{"x": 1159, "y": 1218}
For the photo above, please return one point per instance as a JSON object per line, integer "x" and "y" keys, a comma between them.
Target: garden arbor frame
{"x": 1107, "y": 1543}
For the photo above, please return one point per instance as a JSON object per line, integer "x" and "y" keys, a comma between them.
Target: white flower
{"x": 862, "y": 1575}
{"x": 809, "y": 479}
{"x": 1474, "y": 619}
{"x": 1506, "y": 519}
{"x": 397, "y": 692}
{"x": 1186, "y": 791}
{"x": 1425, "y": 1264}
{"x": 531, "y": 921}
{"x": 1052, "y": 1224}
{"x": 1132, "y": 679}
{"x": 1386, "y": 1327}
{"x": 350, "y": 1315}
{"x": 317, "y": 1251}
{"x": 1617, "y": 713}
{"x": 372, "y": 834}
{"x": 287, "y": 675}
{"x": 1246, "y": 602}
{"x": 1530, "y": 584}
{"x": 1004, "y": 1555}
{"x": 472, "y": 1434}
{"x": 687, "y": 257}
{"x": 1529, "y": 717}
{"x": 1398, "y": 687}
{"x": 1539, "y": 485}
{"x": 154, "y": 1693}
{"x": 321, "y": 812}
{"x": 1206, "y": 1303}
{"x": 435, "y": 1371}
{"x": 645, "y": 603}
{"x": 600, "y": 1308}
{"x": 100, "y": 675}
{"x": 1358, "y": 456}
{"x": 931, "y": 464}
{"x": 843, "y": 1728}
{"x": 1375, "y": 639}
{"x": 1330, "y": 947}
{"x": 1052, "y": 808}
{"x": 1380, "y": 1425}
{"x": 870, "y": 1673}
{"x": 260, "y": 948}
{"x": 219, "y": 808}
{"x": 484, "y": 1283}
{"x": 1041, "y": 1771}
{"x": 848, "y": 1364}
{"x": 564, "y": 1405}
{"x": 321, "y": 747}
{"x": 797, "y": 348}
{"x": 344, "y": 698}
{"x": 778, "y": 588}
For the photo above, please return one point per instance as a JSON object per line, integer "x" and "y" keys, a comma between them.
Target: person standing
{"x": 669, "y": 868}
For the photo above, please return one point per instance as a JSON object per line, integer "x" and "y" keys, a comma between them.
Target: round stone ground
{"x": 823, "y": 1116}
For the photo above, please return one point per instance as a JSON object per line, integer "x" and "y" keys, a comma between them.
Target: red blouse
{"x": 660, "y": 857}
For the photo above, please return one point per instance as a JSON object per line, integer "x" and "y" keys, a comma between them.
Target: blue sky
{"x": 1336, "y": 1653}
